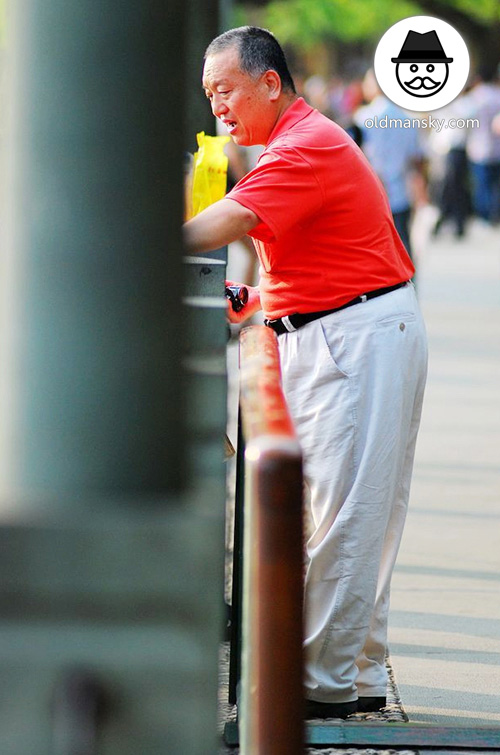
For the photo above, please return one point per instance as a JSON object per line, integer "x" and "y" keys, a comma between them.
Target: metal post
{"x": 271, "y": 711}
{"x": 110, "y": 563}
{"x": 237, "y": 575}
{"x": 204, "y": 25}
{"x": 91, "y": 260}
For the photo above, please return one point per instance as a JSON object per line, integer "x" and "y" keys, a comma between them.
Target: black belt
{"x": 297, "y": 321}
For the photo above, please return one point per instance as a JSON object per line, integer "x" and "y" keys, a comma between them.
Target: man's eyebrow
{"x": 218, "y": 83}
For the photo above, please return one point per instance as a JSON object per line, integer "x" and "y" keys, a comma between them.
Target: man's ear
{"x": 273, "y": 83}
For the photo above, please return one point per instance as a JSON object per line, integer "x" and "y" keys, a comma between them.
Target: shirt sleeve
{"x": 282, "y": 190}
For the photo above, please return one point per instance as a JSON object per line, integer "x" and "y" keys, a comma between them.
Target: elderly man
{"x": 334, "y": 286}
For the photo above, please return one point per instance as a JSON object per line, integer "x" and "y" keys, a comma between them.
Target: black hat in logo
{"x": 418, "y": 48}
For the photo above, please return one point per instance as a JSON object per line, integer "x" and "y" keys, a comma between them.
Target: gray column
{"x": 91, "y": 333}
{"x": 100, "y": 589}
{"x": 203, "y": 26}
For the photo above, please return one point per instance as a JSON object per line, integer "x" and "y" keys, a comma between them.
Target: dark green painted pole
{"x": 203, "y": 26}
{"x": 91, "y": 286}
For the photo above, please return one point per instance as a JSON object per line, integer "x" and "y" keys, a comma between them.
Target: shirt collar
{"x": 292, "y": 115}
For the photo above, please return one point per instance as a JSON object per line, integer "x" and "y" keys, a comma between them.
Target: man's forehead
{"x": 221, "y": 66}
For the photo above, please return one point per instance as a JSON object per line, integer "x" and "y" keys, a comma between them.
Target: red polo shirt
{"x": 326, "y": 233}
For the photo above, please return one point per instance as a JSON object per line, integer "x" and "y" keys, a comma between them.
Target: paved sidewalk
{"x": 445, "y": 617}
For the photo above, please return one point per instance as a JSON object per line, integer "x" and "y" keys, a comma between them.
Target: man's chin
{"x": 240, "y": 140}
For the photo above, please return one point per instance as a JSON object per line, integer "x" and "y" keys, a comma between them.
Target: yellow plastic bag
{"x": 205, "y": 182}
{"x": 209, "y": 172}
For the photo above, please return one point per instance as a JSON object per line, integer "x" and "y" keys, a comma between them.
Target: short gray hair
{"x": 259, "y": 51}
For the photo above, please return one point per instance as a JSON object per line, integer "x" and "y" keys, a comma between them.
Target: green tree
{"x": 304, "y": 24}
{"x": 479, "y": 23}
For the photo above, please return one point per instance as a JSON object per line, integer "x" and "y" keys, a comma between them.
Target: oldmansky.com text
{"x": 438, "y": 124}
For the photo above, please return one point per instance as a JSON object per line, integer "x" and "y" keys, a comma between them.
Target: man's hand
{"x": 220, "y": 224}
{"x": 250, "y": 308}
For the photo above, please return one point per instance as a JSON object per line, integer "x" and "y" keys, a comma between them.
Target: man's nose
{"x": 218, "y": 106}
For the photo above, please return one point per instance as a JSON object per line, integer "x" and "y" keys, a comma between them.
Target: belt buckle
{"x": 279, "y": 325}
{"x": 289, "y": 326}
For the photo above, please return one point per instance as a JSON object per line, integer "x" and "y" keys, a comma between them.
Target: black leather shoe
{"x": 330, "y": 710}
{"x": 371, "y": 704}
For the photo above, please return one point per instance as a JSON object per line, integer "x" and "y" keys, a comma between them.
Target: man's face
{"x": 422, "y": 79}
{"x": 239, "y": 100}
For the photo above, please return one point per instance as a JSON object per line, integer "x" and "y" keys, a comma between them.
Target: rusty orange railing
{"x": 271, "y": 707}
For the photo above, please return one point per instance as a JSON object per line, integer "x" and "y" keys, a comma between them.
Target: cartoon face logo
{"x": 421, "y": 63}
{"x": 422, "y": 79}
{"x": 422, "y": 68}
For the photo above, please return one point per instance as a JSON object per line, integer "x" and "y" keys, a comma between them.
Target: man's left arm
{"x": 219, "y": 224}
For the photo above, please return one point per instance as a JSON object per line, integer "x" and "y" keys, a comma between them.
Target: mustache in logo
{"x": 426, "y": 82}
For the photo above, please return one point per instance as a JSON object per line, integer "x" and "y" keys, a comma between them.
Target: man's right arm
{"x": 219, "y": 224}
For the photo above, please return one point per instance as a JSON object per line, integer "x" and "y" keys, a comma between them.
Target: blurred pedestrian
{"x": 452, "y": 195}
{"x": 483, "y": 145}
{"x": 394, "y": 151}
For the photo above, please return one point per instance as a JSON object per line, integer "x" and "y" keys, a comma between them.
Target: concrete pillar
{"x": 111, "y": 561}
{"x": 91, "y": 336}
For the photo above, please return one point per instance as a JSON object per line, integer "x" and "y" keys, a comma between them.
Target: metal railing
{"x": 271, "y": 707}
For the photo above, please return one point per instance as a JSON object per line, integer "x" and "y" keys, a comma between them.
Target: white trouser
{"x": 354, "y": 382}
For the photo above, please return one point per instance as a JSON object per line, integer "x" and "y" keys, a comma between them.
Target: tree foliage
{"x": 305, "y": 23}
{"x": 483, "y": 11}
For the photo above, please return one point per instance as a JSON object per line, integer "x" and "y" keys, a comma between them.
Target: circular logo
{"x": 421, "y": 63}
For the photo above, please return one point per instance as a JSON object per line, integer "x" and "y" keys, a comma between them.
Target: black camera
{"x": 238, "y": 296}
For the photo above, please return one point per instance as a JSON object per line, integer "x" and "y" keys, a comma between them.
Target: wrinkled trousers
{"x": 354, "y": 382}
